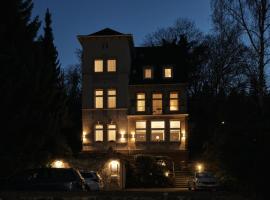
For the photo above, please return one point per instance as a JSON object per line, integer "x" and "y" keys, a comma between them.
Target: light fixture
{"x": 58, "y": 164}
{"x": 132, "y": 133}
{"x": 122, "y": 137}
{"x": 199, "y": 167}
{"x": 114, "y": 167}
{"x": 166, "y": 173}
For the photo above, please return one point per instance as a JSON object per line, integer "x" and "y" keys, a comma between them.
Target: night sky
{"x": 138, "y": 17}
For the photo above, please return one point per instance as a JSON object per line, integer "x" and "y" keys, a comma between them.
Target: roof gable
{"x": 106, "y": 31}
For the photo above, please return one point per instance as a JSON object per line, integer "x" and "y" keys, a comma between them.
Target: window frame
{"x": 98, "y": 59}
{"x": 158, "y": 129}
{"x": 111, "y": 96}
{"x": 171, "y": 99}
{"x": 98, "y": 129}
{"x": 98, "y": 96}
{"x": 111, "y": 129}
{"x": 107, "y": 65}
{"x": 157, "y": 99}
{"x": 142, "y": 100}
{"x": 152, "y": 72}
{"x": 175, "y": 129}
{"x": 140, "y": 129}
{"x": 164, "y": 72}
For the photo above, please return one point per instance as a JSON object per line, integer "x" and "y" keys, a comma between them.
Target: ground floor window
{"x": 174, "y": 130}
{"x": 140, "y": 131}
{"x": 157, "y": 130}
{"x": 111, "y": 132}
{"x": 98, "y": 132}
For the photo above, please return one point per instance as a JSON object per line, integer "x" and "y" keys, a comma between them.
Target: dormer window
{"x": 168, "y": 72}
{"x": 148, "y": 73}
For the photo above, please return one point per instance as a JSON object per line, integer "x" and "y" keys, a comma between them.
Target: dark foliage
{"x": 145, "y": 171}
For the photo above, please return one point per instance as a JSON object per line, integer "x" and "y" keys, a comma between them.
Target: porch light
{"x": 199, "y": 167}
{"x": 58, "y": 164}
{"x": 166, "y": 173}
{"x": 114, "y": 167}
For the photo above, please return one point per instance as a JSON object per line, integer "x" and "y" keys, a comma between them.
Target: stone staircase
{"x": 182, "y": 174}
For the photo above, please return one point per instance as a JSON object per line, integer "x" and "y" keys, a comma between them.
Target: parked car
{"x": 47, "y": 179}
{"x": 203, "y": 180}
{"x": 93, "y": 180}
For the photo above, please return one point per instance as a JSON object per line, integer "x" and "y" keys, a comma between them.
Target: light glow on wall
{"x": 59, "y": 164}
{"x": 84, "y": 137}
{"x": 122, "y": 137}
{"x": 132, "y": 133}
{"x": 199, "y": 167}
{"x": 114, "y": 167}
{"x": 183, "y": 136}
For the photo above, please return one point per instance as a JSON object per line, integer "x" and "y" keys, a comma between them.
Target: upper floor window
{"x": 99, "y": 132}
{"x": 147, "y": 73}
{"x": 157, "y": 130}
{"x": 167, "y": 72}
{"x": 174, "y": 101}
{"x": 174, "y": 130}
{"x": 140, "y": 102}
{"x": 140, "y": 131}
{"x": 111, "y": 98}
{"x": 111, "y": 65}
{"x": 98, "y": 65}
{"x": 111, "y": 132}
{"x": 157, "y": 103}
{"x": 98, "y": 98}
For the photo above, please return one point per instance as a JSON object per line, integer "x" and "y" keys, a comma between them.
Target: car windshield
{"x": 204, "y": 175}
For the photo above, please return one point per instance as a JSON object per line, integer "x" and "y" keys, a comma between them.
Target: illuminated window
{"x": 157, "y": 130}
{"x": 140, "y": 102}
{"x": 147, "y": 73}
{"x": 98, "y": 65}
{"x": 111, "y": 132}
{"x": 111, "y": 65}
{"x": 174, "y": 130}
{"x": 99, "y": 132}
{"x": 141, "y": 131}
{"x": 157, "y": 103}
{"x": 167, "y": 72}
{"x": 174, "y": 101}
{"x": 99, "y": 98}
{"x": 111, "y": 98}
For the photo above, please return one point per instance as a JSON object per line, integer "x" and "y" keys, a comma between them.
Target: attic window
{"x": 168, "y": 72}
{"x": 148, "y": 73}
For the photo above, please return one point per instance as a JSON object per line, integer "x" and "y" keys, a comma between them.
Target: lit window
{"x": 111, "y": 98}
{"x": 111, "y": 65}
{"x": 98, "y": 66}
{"x": 99, "y": 132}
{"x": 167, "y": 73}
{"x": 141, "y": 131}
{"x": 111, "y": 132}
{"x": 99, "y": 98}
{"x": 141, "y": 102}
{"x": 174, "y": 130}
{"x": 157, "y": 130}
{"x": 147, "y": 73}
{"x": 157, "y": 103}
{"x": 174, "y": 101}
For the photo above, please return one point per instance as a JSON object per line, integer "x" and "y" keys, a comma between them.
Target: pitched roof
{"x": 158, "y": 58}
{"x": 106, "y": 31}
